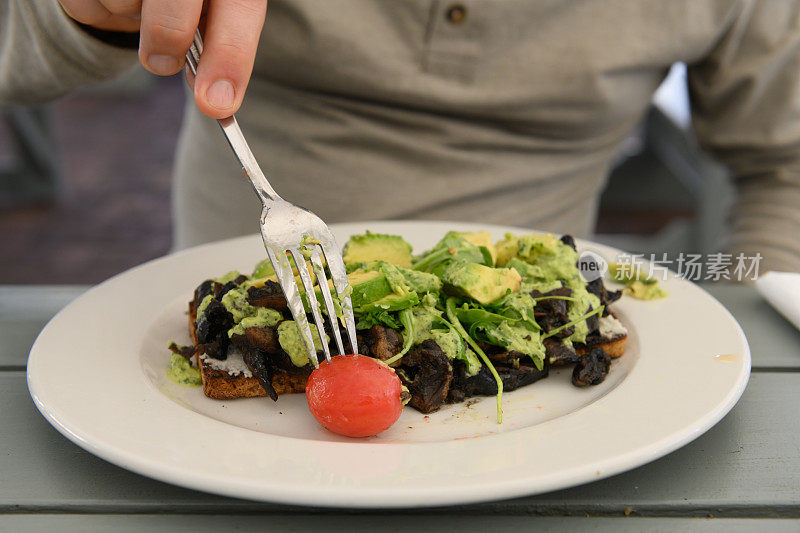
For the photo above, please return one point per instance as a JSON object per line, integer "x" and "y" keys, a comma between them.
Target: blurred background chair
{"x": 30, "y": 172}
{"x": 665, "y": 195}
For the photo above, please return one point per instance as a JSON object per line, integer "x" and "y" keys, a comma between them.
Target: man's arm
{"x": 48, "y": 48}
{"x": 746, "y": 109}
{"x": 45, "y": 54}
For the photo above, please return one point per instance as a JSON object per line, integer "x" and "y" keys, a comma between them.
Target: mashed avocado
{"x": 429, "y": 324}
{"x": 227, "y": 278}
{"x": 306, "y": 243}
{"x": 292, "y": 343}
{"x": 520, "y": 339}
{"x": 518, "y": 306}
{"x": 202, "y": 307}
{"x": 245, "y": 315}
{"x": 235, "y": 301}
{"x": 421, "y": 282}
{"x": 395, "y": 278}
{"x": 639, "y": 285}
{"x": 182, "y": 372}
{"x": 264, "y": 317}
{"x": 645, "y": 291}
{"x": 263, "y": 269}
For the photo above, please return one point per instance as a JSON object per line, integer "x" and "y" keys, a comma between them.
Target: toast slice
{"x": 231, "y": 379}
{"x": 612, "y": 338}
{"x": 614, "y": 347}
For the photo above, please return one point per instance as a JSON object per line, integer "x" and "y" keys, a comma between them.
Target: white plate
{"x": 96, "y": 372}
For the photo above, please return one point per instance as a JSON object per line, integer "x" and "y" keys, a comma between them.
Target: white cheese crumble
{"x": 233, "y": 365}
{"x": 611, "y": 327}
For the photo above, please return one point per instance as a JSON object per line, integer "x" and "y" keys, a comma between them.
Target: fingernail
{"x": 220, "y": 94}
{"x": 162, "y": 64}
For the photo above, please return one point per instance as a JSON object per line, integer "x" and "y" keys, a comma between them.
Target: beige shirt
{"x": 365, "y": 109}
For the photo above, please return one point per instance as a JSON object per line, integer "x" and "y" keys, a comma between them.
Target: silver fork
{"x": 289, "y": 230}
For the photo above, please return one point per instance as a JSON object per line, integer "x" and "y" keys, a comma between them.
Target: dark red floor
{"x": 116, "y": 155}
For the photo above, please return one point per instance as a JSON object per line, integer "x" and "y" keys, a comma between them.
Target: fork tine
{"x": 311, "y": 298}
{"x": 192, "y": 59}
{"x": 340, "y": 283}
{"x": 193, "y": 54}
{"x": 198, "y": 43}
{"x": 287, "y": 282}
{"x": 322, "y": 281}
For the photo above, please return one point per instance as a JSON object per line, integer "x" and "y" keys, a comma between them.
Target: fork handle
{"x": 235, "y": 137}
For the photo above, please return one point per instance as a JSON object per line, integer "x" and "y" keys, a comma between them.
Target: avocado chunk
{"x": 480, "y": 238}
{"x": 535, "y": 249}
{"x": 377, "y": 247}
{"x": 368, "y": 286}
{"x": 506, "y": 249}
{"x": 481, "y": 283}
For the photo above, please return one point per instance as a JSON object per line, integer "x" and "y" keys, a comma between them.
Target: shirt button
{"x": 456, "y": 14}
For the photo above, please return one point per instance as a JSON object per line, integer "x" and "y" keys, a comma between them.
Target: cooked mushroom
{"x": 484, "y": 384}
{"x": 555, "y": 307}
{"x": 208, "y": 287}
{"x": 270, "y": 295}
{"x": 569, "y": 241}
{"x": 263, "y": 338}
{"x": 514, "y": 378}
{"x": 184, "y": 351}
{"x": 427, "y": 373}
{"x": 212, "y": 329}
{"x": 257, "y": 363}
{"x": 508, "y": 358}
{"x": 559, "y": 353}
{"x": 381, "y": 342}
{"x": 552, "y": 313}
{"x": 592, "y": 368}
{"x": 605, "y": 296}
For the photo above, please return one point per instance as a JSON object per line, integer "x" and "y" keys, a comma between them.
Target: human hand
{"x": 231, "y": 32}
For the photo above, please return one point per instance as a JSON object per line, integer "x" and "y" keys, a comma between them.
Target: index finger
{"x": 233, "y": 28}
{"x": 167, "y": 30}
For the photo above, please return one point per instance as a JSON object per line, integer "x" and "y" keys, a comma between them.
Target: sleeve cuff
{"x": 129, "y": 41}
{"x": 78, "y": 50}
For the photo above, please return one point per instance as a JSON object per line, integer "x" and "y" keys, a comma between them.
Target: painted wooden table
{"x": 741, "y": 475}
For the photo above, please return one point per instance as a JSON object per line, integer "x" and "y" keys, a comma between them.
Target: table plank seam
{"x": 13, "y": 368}
{"x": 704, "y": 510}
